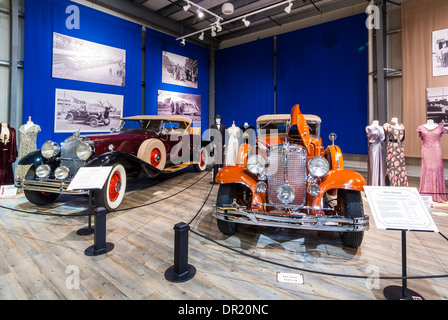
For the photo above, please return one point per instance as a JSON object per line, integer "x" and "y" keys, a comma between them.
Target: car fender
{"x": 33, "y": 158}
{"x": 126, "y": 159}
{"x": 238, "y": 174}
{"x": 339, "y": 179}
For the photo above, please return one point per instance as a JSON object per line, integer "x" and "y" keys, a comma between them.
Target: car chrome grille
{"x": 286, "y": 164}
{"x": 68, "y": 155}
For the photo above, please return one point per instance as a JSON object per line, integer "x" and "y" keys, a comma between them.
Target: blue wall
{"x": 321, "y": 68}
{"x": 43, "y": 17}
{"x": 245, "y": 82}
{"x": 324, "y": 70}
{"x": 157, "y": 42}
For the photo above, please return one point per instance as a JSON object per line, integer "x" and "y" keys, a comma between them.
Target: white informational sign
{"x": 399, "y": 208}
{"x": 90, "y": 178}
{"x": 8, "y": 191}
{"x": 296, "y": 278}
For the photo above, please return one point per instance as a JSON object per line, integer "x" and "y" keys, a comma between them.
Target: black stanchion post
{"x": 181, "y": 271}
{"x": 88, "y": 230}
{"x": 100, "y": 245}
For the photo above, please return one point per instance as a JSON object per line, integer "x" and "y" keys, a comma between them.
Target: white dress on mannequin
{"x": 232, "y": 145}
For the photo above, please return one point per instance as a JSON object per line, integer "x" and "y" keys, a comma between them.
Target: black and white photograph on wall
{"x": 81, "y": 60}
{"x": 440, "y": 53}
{"x": 437, "y": 105}
{"x": 177, "y": 103}
{"x": 87, "y": 111}
{"x": 179, "y": 70}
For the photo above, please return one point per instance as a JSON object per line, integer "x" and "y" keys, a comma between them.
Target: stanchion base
{"x": 396, "y": 293}
{"x": 86, "y": 231}
{"x": 92, "y": 251}
{"x": 172, "y": 276}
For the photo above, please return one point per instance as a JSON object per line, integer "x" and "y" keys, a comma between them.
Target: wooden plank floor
{"x": 38, "y": 252}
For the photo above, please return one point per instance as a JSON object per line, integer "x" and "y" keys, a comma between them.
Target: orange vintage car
{"x": 289, "y": 180}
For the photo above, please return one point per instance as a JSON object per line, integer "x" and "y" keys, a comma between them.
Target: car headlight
{"x": 314, "y": 189}
{"x": 256, "y": 164}
{"x": 84, "y": 151}
{"x": 61, "y": 172}
{"x": 43, "y": 171}
{"x": 261, "y": 187}
{"x": 286, "y": 193}
{"x": 50, "y": 149}
{"x": 318, "y": 167}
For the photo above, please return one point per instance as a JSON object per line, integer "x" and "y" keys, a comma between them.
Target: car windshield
{"x": 314, "y": 128}
{"x": 154, "y": 125}
{"x": 272, "y": 127}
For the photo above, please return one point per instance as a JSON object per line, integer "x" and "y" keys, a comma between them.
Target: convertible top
{"x": 159, "y": 117}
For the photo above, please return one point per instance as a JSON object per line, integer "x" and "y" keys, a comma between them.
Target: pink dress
{"x": 432, "y": 179}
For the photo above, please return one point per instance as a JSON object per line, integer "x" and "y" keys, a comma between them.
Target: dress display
{"x": 432, "y": 181}
{"x": 395, "y": 162}
{"x": 376, "y": 170}
{"x": 28, "y": 136}
{"x": 232, "y": 145}
{"x": 8, "y": 149}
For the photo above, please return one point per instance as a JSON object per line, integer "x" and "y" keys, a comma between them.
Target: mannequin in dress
{"x": 395, "y": 161}
{"x": 28, "y": 135}
{"x": 376, "y": 172}
{"x": 8, "y": 153}
{"x": 432, "y": 178}
{"x": 232, "y": 145}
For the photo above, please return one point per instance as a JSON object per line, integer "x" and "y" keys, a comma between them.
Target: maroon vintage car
{"x": 143, "y": 144}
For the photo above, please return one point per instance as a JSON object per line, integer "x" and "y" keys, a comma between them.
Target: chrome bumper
{"x": 239, "y": 214}
{"x": 51, "y": 186}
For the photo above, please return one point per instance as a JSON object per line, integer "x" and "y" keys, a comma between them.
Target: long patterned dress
{"x": 432, "y": 180}
{"x": 8, "y": 155}
{"x": 376, "y": 172}
{"x": 27, "y": 144}
{"x": 395, "y": 162}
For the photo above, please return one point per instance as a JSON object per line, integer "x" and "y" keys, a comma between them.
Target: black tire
{"x": 352, "y": 208}
{"x": 70, "y": 118}
{"x": 112, "y": 194}
{"x": 93, "y": 122}
{"x": 226, "y": 193}
{"x": 37, "y": 197}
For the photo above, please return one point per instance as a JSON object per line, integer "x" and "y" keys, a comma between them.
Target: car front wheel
{"x": 38, "y": 197}
{"x": 352, "y": 208}
{"x": 225, "y": 197}
{"x": 112, "y": 194}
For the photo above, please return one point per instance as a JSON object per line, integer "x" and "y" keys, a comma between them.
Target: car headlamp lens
{"x": 261, "y": 187}
{"x": 256, "y": 164}
{"x": 84, "y": 151}
{"x": 61, "y": 172}
{"x": 286, "y": 193}
{"x": 43, "y": 171}
{"x": 50, "y": 149}
{"x": 313, "y": 189}
{"x": 318, "y": 167}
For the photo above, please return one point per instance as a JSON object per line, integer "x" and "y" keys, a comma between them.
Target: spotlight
{"x": 288, "y": 8}
{"x": 218, "y": 27}
{"x": 187, "y": 6}
{"x": 213, "y": 32}
{"x": 200, "y": 13}
{"x": 246, "y": 22}
{"x": 201, "y": 36}
{"x": 182, "y": 43}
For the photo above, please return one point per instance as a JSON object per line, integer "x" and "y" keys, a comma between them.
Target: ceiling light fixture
{"x": 288, "y": 8}
{"x": 201, "y": 36}
{"x": 246, "y": 22}
{"x": 187, "y": 6}
{"x": 182, "y": 43}
{"x": 213, "y": 33}
{"x": 200, "y": 13}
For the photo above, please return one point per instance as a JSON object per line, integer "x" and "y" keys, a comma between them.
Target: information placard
{"x": 400, "y": 208}
{"x": 90, "y": 178}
